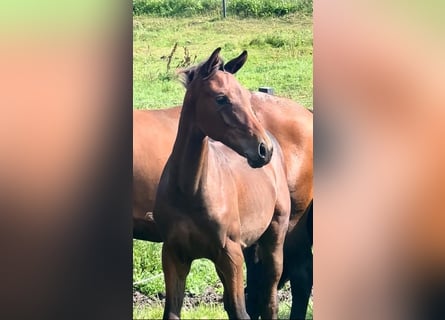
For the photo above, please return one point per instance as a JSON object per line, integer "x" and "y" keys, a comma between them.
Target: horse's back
{"x": 154, "y": 130}
{"x": 153, "y": 136}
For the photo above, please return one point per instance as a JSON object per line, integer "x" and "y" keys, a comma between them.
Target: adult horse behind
{"x": 153, "y": 136}
{"x": 211, "y": 202}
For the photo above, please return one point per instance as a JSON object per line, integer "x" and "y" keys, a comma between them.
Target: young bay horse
{"x": 154, "y": 133}
{"x": 211, "y": 202}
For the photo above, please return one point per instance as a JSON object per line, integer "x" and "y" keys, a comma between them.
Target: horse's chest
{"x": 201, "y": 227}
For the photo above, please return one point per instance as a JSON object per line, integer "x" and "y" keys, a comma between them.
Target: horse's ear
{"x": 211, "y": 65}
{"x": 235, "y": 64}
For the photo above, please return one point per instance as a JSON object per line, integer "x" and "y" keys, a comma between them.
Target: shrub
{"x": 276, "y": 41}
{"x": 172, "y": 8}
{"x": 241, "y": 8}
{"x": 268, "y": 8}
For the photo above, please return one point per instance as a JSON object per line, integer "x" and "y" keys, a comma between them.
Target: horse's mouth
{"x": 256, "y": 163}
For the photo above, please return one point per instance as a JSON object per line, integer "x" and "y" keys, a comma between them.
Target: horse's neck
{"x": 190, "y": 155}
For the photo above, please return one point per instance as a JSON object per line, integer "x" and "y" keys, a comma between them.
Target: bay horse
{"x": 211, "y": 202}
{"x": 154, "y": 133}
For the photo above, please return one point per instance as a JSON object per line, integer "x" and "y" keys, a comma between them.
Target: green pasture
{"x": 214, "y": 311}
{"x": 280, "y": 56}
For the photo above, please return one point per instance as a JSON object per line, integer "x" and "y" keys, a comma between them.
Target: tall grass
{"x": 172, "y": 8}
{"x": 268, "y": 8}
{"x": 241, "y": 8}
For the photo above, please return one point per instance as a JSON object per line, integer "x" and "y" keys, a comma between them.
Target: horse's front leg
{"x": 175, "y": 274}
{"x": 271, "y": 251}
{"x": 229, "y": 264}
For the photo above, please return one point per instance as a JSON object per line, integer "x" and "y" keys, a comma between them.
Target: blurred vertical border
{"x": 65, "y": 159}
{"x": 379, "y": 219}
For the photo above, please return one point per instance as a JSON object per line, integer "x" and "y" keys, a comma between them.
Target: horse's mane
{"x": 187, "y": 75}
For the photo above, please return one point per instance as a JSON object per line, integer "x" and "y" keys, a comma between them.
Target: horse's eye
{"x": 222, "y": 100}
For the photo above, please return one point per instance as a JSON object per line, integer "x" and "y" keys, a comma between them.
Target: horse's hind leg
{"x": 254, "y": 278}
{"x": 229, "y": 265}
{"x": 175, "y": 274}
{"x": 301, "y": 282}
{"x": 298, "y": 251}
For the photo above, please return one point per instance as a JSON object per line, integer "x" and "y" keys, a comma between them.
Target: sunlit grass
{"x": 200, "y": 312}
{"x": 214, "y": 311}
{"x": 280, "y": 54}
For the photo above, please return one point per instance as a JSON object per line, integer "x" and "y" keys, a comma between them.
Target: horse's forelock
{"x": 187, "y": 75}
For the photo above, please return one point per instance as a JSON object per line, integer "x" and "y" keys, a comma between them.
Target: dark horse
{"x": 297, "y": 266}
{"x": 211, "y": 203}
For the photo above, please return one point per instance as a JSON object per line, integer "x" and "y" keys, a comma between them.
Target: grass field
{"x": 205, "y": 311}
{"x": 280, "y": 56}
{"x": 202, "y": 312}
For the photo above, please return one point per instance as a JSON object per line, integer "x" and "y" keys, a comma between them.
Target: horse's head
{"x": 223, "y": 110}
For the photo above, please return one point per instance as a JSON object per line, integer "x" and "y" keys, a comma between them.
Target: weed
{"x": 276, "y": 41}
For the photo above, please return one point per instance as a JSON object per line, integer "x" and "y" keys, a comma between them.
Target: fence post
{"x": 268, "y": 90}
{"x": 224, "y": 8}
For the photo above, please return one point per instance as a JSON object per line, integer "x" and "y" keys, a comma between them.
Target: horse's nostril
{"x": 262, "y": 151}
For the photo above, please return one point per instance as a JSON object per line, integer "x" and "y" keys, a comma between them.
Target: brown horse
{"x": 154, "y": 133}
{"x": 153, "y": 137}
{"x": 211, "y": 203}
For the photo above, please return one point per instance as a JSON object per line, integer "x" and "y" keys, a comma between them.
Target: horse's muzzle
{"x": 262, "y": 157}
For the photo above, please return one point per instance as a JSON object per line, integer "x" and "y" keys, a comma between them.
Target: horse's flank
{"x": 153, "y": 136}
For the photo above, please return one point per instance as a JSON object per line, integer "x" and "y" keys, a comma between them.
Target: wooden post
{"x": 224, "y": 8}
{"x": 268, "y": 90}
